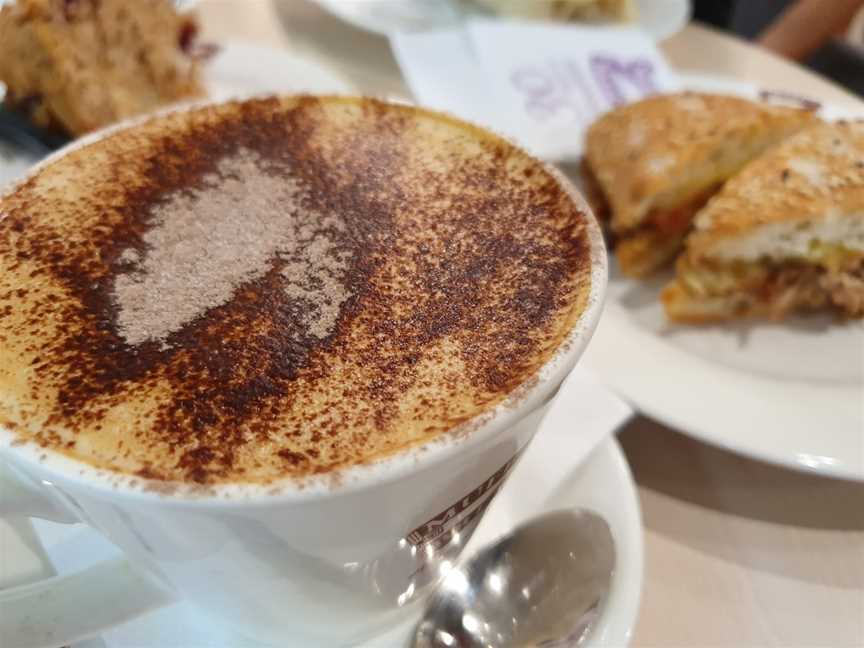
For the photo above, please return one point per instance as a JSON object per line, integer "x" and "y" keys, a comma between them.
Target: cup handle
{"x": 62, "y": 610}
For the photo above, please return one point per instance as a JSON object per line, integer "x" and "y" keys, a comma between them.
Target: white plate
{"x": 790, "y": 393}
{"x": 602, "y": 483}
{"x": 660, "y": 18}
{"x": 13, "y": 163}
{"x": 242, "y": 69}
{"x": 237, "y": 70}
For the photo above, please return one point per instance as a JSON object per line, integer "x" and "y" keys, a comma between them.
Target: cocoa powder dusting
{"x": 279, "y": 287}
{"x": 204, "y": 243}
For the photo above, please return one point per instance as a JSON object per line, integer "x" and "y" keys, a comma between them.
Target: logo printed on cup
{"x": 462, "y": 513}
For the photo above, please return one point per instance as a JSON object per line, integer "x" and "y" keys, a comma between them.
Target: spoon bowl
{"x": 541, "y": 585}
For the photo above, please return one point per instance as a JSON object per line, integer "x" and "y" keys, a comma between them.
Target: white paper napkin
{"x": 540, "y": 84}
{"x": 583, "y": 415}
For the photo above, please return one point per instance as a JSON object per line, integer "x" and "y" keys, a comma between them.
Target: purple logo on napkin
{"x": 622, "y": 81}
{"x": 567, "y": 90}
{"x": 551, "y": 88}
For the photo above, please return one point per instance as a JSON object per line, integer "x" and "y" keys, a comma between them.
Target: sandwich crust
{"x": 784, "y": 235}
{"x": 661, "y": 152}
{"x": 807, "y": 181}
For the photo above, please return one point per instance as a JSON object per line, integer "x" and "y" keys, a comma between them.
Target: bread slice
{"x": 659, "y": 160}
{"x": 78, "y": 65}
{"x": 784, "y": 235}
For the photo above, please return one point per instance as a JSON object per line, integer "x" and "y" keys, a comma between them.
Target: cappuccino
{"x": 279, "y": 288}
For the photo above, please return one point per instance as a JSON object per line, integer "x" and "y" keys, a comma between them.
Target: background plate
{"x": 791, "y": 393}
{"x": 241, "y": 69}
{"x": 660, "y": 18}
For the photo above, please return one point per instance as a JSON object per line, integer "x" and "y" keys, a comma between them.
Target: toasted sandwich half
{"x": 784, "y": 235}
{"x": 659, "y": 160}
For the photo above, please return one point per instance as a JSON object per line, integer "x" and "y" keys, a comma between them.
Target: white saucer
{"x": 791, "y": 393}
{"x": 659, "y": 18}
{"x": 602, "y": 483}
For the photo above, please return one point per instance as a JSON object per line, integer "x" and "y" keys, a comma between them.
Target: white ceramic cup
{"x": 328, "y": 565}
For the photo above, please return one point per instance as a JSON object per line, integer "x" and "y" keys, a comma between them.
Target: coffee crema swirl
{"x": 279, "y": 288}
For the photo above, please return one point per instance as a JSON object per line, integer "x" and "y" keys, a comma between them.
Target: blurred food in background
{"x": 576, "y": 10}
{"x": 79, "y": 65}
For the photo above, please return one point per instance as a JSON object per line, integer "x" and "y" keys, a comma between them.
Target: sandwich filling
{"x": 829, "y": 276}
{"x": 651, "y": 245}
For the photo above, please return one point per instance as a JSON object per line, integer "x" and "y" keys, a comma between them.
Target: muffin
{"x": 79, "y": 65}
